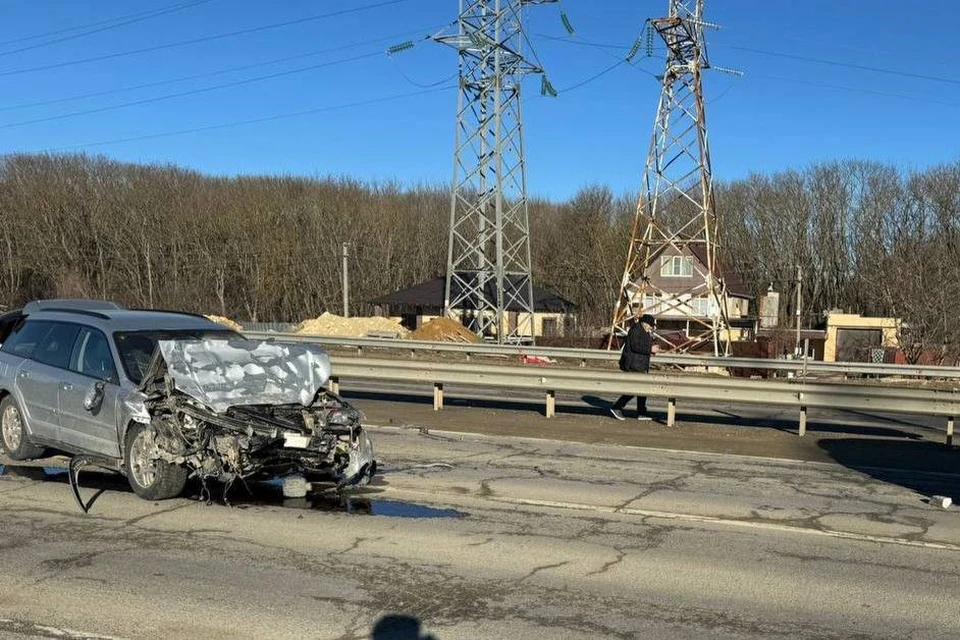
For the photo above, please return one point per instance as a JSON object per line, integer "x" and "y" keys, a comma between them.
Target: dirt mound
{"x": 330, "y": 324}
{"x": 227, "y": 322}
{"x": 444, "y": 330}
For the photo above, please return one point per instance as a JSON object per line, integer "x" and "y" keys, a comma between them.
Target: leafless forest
{"x": 869, "y": 238}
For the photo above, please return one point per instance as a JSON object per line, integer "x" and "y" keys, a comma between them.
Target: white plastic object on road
{"x": 943, "y": 502}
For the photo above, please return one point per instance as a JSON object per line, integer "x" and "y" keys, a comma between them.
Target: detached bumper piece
{"x": 77, "y": 463}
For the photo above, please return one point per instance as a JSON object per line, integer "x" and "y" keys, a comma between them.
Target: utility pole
{"x": 488, "y": 252}
{"x": 799, "y": 302}
{"x": 675, "y": 229}
{"x": 346, "y": 283}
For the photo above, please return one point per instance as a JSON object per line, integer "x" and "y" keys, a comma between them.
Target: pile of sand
{"x": 444, "y": 330}
{"x": 227, "y": 322}
{"x": 330, "y": 324}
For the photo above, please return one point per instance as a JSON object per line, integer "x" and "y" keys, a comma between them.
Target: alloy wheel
{"x": 143, "y": 465}
{"x": 12, "y": 428}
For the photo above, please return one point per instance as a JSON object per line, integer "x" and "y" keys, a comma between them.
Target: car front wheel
{"x": 150, "y": 477}
{"x": 14, "y": 432}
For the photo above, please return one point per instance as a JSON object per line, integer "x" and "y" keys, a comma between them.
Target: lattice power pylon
{"x": 489, "y": 284}
{"x": 674, "y": 238}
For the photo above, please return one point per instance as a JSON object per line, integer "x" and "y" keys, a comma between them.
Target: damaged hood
{"x": 221, "y": 373}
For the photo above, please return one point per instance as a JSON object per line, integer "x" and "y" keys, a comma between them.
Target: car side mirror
{"x": 94, "y": 397}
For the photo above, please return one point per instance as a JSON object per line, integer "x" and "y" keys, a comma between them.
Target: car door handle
{"x": 66, "y": 386}
{"x": 23, "y": 374}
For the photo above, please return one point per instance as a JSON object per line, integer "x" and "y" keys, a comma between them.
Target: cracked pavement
{"x": 559, "y": 539}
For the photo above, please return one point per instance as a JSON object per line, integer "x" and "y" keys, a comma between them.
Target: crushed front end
{"x": 241, "y": 409}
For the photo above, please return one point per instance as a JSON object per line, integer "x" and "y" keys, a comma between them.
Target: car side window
{"x": 91, "y": 356}
{"x": 56, "y": 346}
{"x": 25, "y": 337}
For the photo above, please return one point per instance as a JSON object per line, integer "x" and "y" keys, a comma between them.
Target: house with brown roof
{"x": 676, "y": 292}
{"x": 553, "y": 316}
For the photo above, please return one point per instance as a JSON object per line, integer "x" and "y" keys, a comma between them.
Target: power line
{"x": 595, "y": 76}
{"x": 197, "y": 76}
{"x": 422, "y": 85}
{"x": 237, "y": 123}
{"x": 128, "y": 16}
{"x": 406, "y": 46}
{"x": 191, "y": 92}
{"x": 720, "y": 96}
{"x": 850, "y": 65}
{"x": 606, "y": 47}
{"x": 131, "y": 20}
{"x": 219, "y": 36}
{"x": 873, "y": 92}
{"x": 582, "y": 43}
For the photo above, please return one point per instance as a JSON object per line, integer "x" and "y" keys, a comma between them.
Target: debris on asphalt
{"x": 528, "y": 359}
{"x": 943, "y": 502}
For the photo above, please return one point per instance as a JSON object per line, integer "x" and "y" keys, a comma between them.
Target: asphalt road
{"x": 473, "y": 536}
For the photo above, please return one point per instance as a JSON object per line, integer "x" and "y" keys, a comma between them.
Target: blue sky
{"x": 822, "y": 80}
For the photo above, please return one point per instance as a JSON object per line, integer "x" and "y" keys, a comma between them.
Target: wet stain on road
{"x": 257, "y": 494}
{"x": 269, "y": 493}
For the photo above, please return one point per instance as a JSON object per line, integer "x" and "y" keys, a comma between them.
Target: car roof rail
{"x": 70, "y": 303}
{"x": 182, "y": 313}
{"x": 83, "y": 312}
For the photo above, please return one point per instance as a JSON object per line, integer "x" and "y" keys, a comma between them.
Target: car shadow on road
{"x": 928, "y": 468}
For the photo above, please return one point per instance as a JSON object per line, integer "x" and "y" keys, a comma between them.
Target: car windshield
{"x": 136, "y": 347}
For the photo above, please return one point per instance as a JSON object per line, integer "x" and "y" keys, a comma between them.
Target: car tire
{"x": 150, "y": 479}
{"x": 13, "y": 432}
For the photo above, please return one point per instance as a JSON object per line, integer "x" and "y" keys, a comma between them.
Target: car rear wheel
{"x": 14, "y": 432}
{"x": 150, "y": 477}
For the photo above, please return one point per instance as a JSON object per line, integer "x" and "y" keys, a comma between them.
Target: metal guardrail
{"x": 799, "y": 393}
{"x": 269, "y": 327}
{"x": 583, "y": 356}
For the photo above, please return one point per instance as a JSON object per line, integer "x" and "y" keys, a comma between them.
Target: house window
{"x": 550, "y": 327}
{"x": 701, "y": 306}
{"x": 676, "y": 266}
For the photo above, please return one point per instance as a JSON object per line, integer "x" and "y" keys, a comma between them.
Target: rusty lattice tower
{"x": 672, "y": 270}
{"x": 489, "y": 284}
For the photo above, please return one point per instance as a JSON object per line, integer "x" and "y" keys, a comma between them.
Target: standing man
{"x": 636, "y": 354}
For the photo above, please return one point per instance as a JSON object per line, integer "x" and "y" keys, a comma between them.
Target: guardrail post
{"x": 334, "y": 384}
{"x": 437, "y": 396}
{"x": 671, "y": 412}
{"x": 551, "y": 403}
{"x": 803, "y": 422}
{"x": 359, "y": 350}
{"x": 950, "y": 431}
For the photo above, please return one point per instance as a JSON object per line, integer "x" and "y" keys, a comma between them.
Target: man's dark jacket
{"x": 637, "y": 349}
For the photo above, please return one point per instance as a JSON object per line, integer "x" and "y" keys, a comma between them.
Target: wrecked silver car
{"x": 228, "y": 409}
{"x": 163, "y": 397}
